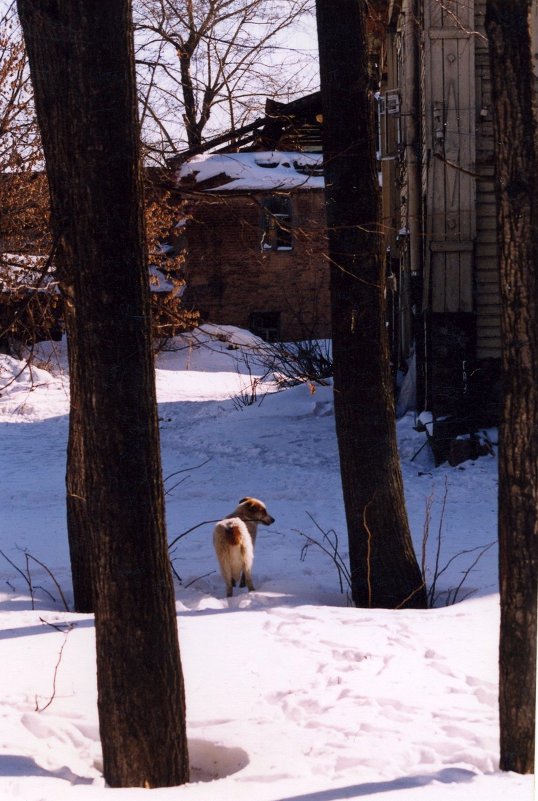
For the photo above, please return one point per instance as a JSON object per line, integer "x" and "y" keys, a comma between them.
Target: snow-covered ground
{"x": 292, "y": 695}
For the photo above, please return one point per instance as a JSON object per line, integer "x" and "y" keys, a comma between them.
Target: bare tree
{"x": 23, "y": 198}
{"x": 384, "y": 569}
{"x": 215, "y": 58}
{"x": 81, "y": 58}
{"x": 19, "y": 137}
{"x": 515, "y": 107}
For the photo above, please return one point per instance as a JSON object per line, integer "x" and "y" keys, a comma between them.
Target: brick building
{"x": 255, "y": 242}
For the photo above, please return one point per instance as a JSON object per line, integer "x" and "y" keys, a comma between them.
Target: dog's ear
{"x": 251, "y": 504}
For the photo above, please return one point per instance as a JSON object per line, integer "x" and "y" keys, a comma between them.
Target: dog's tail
{"x": 232, "y": 532}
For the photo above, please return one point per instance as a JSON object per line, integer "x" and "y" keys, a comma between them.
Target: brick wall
{"x": 230, "y": 276}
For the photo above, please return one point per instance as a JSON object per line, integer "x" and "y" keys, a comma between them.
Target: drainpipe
{"x": 410, "y": 93}
{"x": 411, "y": 110}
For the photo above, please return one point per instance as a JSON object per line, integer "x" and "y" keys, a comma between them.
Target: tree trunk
{"x": 516, "y": 137}
{"x": 82, "y": 66}
{"x": 384, "y": 569}
{"x": 80, "y": 550}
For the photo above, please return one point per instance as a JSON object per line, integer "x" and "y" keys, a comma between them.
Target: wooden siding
{"x": 455, "y": 180}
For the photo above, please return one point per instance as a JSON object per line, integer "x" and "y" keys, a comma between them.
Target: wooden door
{"x": 449, "y": 107}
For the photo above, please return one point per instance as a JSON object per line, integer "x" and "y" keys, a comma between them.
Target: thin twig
{"x": 44, "y": 566}
{"x": 482, "y": 548}
{"x": 30, "y": 582}
{"x": 335, "y": 556}
{"x": 61, "y": 627}
{"x": 47, "y": 592}
{"x": 411, "y": 595}
{"x": 176, "y": 574}
{"x": 53, "y": 696}
{"x": 184, "y": 534}
{"x": 198, "y": 578}
{"x": 25, "y": 577}
{"x": 333, "y": 553}
{"x": 185, "y": 469}
{"x": 436, "y": 573}
{"x": 177, "y": 473}
{"x": 368, "y": 555}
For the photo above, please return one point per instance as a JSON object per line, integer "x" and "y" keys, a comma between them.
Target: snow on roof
{"x": 259, "y": 170}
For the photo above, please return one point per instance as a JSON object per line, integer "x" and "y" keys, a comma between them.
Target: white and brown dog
{"x": 234, "y": 538}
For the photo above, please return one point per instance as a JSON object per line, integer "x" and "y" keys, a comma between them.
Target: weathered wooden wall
{"x": 461, "y": 287}
{"x": 442, "y": 175}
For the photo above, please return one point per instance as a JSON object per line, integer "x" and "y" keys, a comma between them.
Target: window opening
{"x": 265, "y": 324}
{"x": 277, "y": 223}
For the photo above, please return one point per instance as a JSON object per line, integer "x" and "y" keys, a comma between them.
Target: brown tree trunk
{"x": 82, "y": 66}
{"x": 78, "y": 532}
{"x": 516, "y": 136}
{"x": 384, "y": 569}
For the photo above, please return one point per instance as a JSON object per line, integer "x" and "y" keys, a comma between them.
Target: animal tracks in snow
{"x": 62, "y": 747}
{"x": 378, "y": 684}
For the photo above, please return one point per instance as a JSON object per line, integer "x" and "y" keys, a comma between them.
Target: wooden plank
{"x": 488, "y": 236}
{"x": 487, "y": 222}
{"x": 467, "y": 132}
{"x": 488, "y": 299}
{"x": 486, "y": 205}
{"x": 462, "y": 13}
{"x": 454, "y": 116}
{"x": 433, "y": 14}
{"x": 452, "y": 281}
{"x": 450, "y": 134}
{"x": 489, "y": 283}
{"x": 451, "y": 246}
{"x": 453, "y": 276}
{"x": 491, "y": 349}
{"x": 465, "y": 296}
{"x": 438, "y": 282}
{"x": 447, "y": 33}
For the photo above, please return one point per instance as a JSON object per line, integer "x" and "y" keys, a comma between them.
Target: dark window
{"x": 277, "y": 223}
{"x": 266, "y": 325}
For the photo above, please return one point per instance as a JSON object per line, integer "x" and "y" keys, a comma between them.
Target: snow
{"x": 291, "y": 693}
{"x": 260, "y": 170}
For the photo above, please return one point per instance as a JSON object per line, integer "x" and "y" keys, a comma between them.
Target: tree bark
{"x": 78, "y": 532}
{"x": 82, "y": 66}
{"x": 516, "y": 137}
{"x": 384, "y": 569}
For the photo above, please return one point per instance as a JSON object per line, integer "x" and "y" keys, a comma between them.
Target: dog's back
{"x": 232, "y": 531}
{"x": 234, "y": 550}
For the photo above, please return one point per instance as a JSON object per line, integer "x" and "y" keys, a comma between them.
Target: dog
{"x": 234, "y": 539}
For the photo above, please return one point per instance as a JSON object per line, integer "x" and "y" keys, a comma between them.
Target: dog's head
{"x": 255, "y": 510}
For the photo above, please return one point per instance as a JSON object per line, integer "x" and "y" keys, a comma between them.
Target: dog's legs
{"x": 228, "y": 579}
{"x": 246, "y": 578}
{"x": 245, "y": 581}
{"x": 251, "y": 527}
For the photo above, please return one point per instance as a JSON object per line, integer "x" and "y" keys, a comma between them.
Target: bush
{"x": 307, "y": 361}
